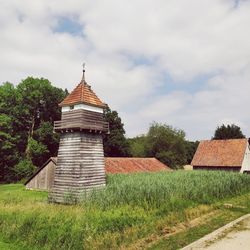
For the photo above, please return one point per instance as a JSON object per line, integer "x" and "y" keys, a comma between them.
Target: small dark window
{"x": 71, "y": 107}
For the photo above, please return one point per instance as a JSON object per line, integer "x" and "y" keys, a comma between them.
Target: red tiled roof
{"x": 115, "y": 165}
{"x": 82, "y": 94}
{"x": 220, "y": 153}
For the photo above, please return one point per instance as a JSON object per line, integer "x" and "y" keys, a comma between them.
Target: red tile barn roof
{"x": 220, "y": 153}
{"x": 115, "y": 165}
{"x": 82, "y": 94}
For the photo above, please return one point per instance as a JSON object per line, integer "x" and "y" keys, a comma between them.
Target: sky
{"x": 185, "y": 63}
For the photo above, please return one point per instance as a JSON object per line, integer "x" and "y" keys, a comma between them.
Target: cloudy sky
{"x": 185, "y": 63}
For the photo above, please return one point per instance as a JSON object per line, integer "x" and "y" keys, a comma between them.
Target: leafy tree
{"x": 7, "y": 99}
{"x": 8, "y": 137}
{"x": 27, "y": 113}
{"x": 37, "y": 103}
{"x": 115, "y": 143}
{"x": 137, "y": 146}
{"x": 45, "y": 135}
{"x": 166, "y": 144}
{"x": 24, "y": 169}
{"x": 36, "y": 152}
{"x": 228, "y": 132}
{"x": 8, "y": 150}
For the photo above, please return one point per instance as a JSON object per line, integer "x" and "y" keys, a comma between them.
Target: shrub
{"x": 24, "y": 169}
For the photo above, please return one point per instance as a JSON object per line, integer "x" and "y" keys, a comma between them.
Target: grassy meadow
{"x": 125, "y": 214}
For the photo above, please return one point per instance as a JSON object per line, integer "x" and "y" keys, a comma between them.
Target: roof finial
{"x": 83, "y": 72}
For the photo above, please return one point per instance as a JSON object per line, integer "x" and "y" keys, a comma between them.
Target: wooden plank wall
{"x": 82, "y": 113}
{"x": 80, "y": 166}
{"x": 81, "y": 119}
{"x": 44, "y": 179}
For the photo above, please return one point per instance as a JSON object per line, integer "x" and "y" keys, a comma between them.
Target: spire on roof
{"x": 83, "y": 72}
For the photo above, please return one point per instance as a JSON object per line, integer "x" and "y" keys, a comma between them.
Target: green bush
{"x": 24, "y": 169}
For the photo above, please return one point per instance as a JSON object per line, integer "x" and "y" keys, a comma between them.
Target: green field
{"x": 133, "y": 211}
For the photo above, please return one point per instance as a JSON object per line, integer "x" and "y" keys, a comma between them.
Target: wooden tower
{"x": 80, "y": 163}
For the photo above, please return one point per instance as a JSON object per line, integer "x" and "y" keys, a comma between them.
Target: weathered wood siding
{"x": 80, "y": 166}
{"x": 44, "y": 179}
{"x": 81, "y": 119}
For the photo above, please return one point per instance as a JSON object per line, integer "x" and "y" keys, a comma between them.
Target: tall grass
{"x": 128, "y": 208}
{"x": 149, "y": 190}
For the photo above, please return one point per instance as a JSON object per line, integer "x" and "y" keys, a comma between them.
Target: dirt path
{"x": 235, "y": 235}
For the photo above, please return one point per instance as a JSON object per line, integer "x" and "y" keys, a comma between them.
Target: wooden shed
{"x": 43, "y": 179}
{"x": 229, "y": 155}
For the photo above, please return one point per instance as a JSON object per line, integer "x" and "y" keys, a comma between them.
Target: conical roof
{"x": 83, "y": 94}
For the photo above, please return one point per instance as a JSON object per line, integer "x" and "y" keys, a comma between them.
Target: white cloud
{"x": 129, "y": 46}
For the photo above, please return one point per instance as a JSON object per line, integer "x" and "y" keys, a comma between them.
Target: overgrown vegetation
{"x": 130, "y": 208}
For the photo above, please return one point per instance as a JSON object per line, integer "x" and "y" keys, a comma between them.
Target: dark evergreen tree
{"x": 228, "y": 132}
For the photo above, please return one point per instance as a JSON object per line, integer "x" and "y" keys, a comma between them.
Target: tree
{"x": 37, "y": 108}
{"x": 24, "y": 169}
{"x": 37, "y": 152}
{"x": 37, "y": 101}
{"x": 167, "y": 144}
{"x": 190, "y": 150}
{"x": 8, "y": 150}
{"x": 115, "y": 143}
{"x": 27, "y": 113}
{"x": 137, "y": 146}
{"x": 228, "y": 132}
{"x": 8, "y": 138}
{"x": 45, "y": 135}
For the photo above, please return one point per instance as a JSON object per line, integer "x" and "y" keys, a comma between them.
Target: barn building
{"x": 80, "y": 160}
{"x": 229, "y": 155}
{"x": 43, "y": 179}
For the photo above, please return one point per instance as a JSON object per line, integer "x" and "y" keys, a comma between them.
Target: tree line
{"x": 27, "y": 140}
